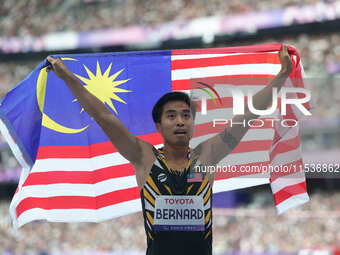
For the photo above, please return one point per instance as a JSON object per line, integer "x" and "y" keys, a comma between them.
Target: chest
{"x": 179, "y": 165}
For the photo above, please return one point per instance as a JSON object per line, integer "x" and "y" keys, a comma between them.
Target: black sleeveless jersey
{"x": 162, "y": 181}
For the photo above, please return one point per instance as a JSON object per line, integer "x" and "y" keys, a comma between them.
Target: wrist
{"x": 284, "y": 73}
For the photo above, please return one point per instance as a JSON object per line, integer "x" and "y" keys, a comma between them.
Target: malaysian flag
{"x": 71, "y": 171}
{"x": 194, "y": 177}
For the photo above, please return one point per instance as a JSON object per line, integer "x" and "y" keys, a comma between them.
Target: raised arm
{"x": 132, "y": 148}
{"x": 216, "y": 148}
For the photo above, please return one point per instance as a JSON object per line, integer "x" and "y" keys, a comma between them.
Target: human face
{"x": 177, "y": 123}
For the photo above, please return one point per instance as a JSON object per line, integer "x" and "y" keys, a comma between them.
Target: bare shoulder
{"x": 143, "y": 166}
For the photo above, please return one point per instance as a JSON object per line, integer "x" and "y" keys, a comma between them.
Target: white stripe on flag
{"x": 13, "y": 145}
{"x": 251, "y": 135}
{"x": 80, "y": 215}
{"x": 290, "y": 134}
{"x": 211, "y": 71}
{"x": 24, "y": 172}
{"x": 287, "y": 180}
{"x": 292, "y": 202}
{"x": 298, "y": 114}
{"x": 74, "y": 189}
{"x": 217, "y": 55}
{"x": 224, "y": 114}
{"x": 225, "y": 90}
{"x": 244, "y": 158}
{"x": 220, "y": 115}
{"x": 79, "y": 164}
{"x": 198, "y": 56}
{"x": 287, "y": 157}
{"x": 240, "y": 182}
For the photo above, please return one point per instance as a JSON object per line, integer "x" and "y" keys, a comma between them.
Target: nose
{"x": 179, "y": 121}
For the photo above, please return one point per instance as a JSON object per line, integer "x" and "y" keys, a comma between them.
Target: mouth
{"x": 180, "y": 132}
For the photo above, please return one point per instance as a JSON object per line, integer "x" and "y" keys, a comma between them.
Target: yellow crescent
{"x": 47, "y": 121}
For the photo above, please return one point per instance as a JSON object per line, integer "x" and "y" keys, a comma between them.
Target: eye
{"x": 187, "y": 115}
{"x": 171, "y": 115}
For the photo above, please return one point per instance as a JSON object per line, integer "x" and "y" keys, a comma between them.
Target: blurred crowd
{"x": 258, "y": 229}
{"x": 38, "y": 17}
{"x": 11, "y": 73}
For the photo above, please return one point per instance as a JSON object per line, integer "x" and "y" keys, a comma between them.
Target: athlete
{"x": 176, "y": 202}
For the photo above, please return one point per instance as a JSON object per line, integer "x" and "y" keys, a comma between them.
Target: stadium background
{"x": 247, "y": 223}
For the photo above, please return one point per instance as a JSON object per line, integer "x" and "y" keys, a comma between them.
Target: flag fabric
{"x": 72, "y": 172}
{"x": 194, "y": 177}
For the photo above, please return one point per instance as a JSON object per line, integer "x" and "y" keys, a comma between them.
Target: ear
{"x": 158, "y": 126}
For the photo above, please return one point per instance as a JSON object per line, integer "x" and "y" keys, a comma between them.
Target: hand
{"x": 59, "y": 68}
{"x": 285, "y": 60}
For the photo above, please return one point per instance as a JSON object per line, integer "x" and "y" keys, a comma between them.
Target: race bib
{"x": 179, "y": 213}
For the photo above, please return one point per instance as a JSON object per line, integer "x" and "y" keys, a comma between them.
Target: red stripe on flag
{"x": 283, "y": 170}
{"x": 74, "y": 151}
{"x": 285, "y": 146}
{"x": 208, "y": 127}
{"x": 289, "y": 191}
{"x": 79, "y": 177}
{"x": 297, "y": 81}
{"x": 251, "y": 146}
{"x": 289, "y": 115}
{"x": 89, "y": 151}
{"x": 240, "y": 49}
{"x": 259, "y": 58}
{"x": 227, "y": 102}
{"x": 240, "y": 79}
{"x": 78, "y": 202}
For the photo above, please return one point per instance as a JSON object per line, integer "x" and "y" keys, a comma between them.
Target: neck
{"x": 175, "y": 152}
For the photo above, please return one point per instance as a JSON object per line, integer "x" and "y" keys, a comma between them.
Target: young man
{"x": 176, "y": 207}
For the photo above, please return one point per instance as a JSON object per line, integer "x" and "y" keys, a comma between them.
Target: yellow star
{"x": 103, "y": 86}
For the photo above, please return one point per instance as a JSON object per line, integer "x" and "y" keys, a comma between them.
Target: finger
{"x": 49, "y": 63}
{"x": 50, "y": 59}
{"x": 58, "y": 60}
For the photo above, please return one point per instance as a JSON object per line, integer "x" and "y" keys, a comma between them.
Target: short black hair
{"x": 168, "y": 97}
